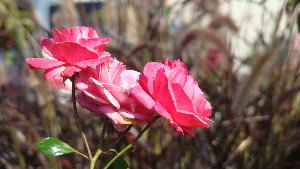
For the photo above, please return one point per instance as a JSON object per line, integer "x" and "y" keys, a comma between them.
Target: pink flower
{"x": 73, "y": 50}
{"x": 169, "y": 89}
{"x": 107, "y": 90}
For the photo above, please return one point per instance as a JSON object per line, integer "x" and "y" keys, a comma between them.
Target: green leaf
{"x": 53, "y": 147}
{"x": 120, "y": 163}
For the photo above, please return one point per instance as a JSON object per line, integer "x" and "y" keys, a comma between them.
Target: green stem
{"x": 83, "y": 155}
{"x": 87, "y": 145}
{"x": 94, "y": 159}
{"x": 118, "y": 155}
{"x": 132, "y": 144}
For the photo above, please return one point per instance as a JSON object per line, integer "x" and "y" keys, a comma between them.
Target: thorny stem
{"x": 133, "y": 143}
{"x": 76, "y": 116}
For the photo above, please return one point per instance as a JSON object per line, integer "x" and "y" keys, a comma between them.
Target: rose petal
{"x": 149, "y": 72}
{"x": 69, "y": 71}
{"x": 115, "y": 70}
{"x": 177, "y": 75}
{"x": 120, "y": 127}
{"x": 94, "y": 97}
{"x": 133, "y": 114}
{"x": 54, "y": 73}
{"x": 79, "y": 32}
{"x": 47, "y": 45}
{"x": 188, "y": 119}
{"x": 164, "y": 113}
{"x": 105, "y": 41}
{"x": 176, "y": 63}
{"x": 72, "y": 52}
{"x": 66, "y": 33}
{"x": 92, "y": 33}
{"x": 167, "y": 62}
{"x": 161, "y": 91}
{"x": 43, "y": 63}
{"x": 181, "y": 100}
{"x": 58, "y": 36}
{"x": 107, "y": 94}
{"x": 86, "y": 103}
{"x": 130, "y": 77}
{"x": 114, "y": 115}
{"x": 88, "y": 88}
{"x": 96, "y": 44}
{"x": 105, "y": 109}
{"x": 93, "y": 62}
{"x": 142, "y": 97}
{"x": 86, "y": 74}
{"x": 207, "y": 110}
{"x": 189, "y": 131}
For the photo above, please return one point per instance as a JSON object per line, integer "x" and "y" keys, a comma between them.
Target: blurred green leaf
{"x": 53, "y": 147}
{"x": 120, "y": 163}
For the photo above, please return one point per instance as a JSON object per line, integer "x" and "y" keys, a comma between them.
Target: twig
{"x": 103, "y": 132}
{"x": 83, "y": 155}
{"x": 144, "y": 129}
{"x": 117, "y": 139}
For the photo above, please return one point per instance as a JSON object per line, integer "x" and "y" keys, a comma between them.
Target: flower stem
{"x": 83, "y": 155}
{"x": 94, "y": 159}
{"x": 87, "y": 145}
{"x": 118, "y": 155}
{"x": 103, "y": 132}
{"x": 76, "y": 116}
{"x": 132, "y": 144}
{"x": 117, "y": 139}
{"x": 144, "y": 129}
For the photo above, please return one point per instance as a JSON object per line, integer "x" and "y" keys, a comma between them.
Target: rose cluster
{"x": 127, "y": 97}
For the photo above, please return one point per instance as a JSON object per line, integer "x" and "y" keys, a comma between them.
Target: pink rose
{"x": 73, "y": 50}
{"x": 107, "y": 90}
{"x": 169, "y": 89}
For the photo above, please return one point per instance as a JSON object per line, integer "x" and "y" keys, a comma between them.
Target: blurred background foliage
{"x": 243, "y": 53}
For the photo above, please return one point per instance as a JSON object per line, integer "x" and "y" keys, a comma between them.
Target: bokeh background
{"x": 243, "y": 53}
